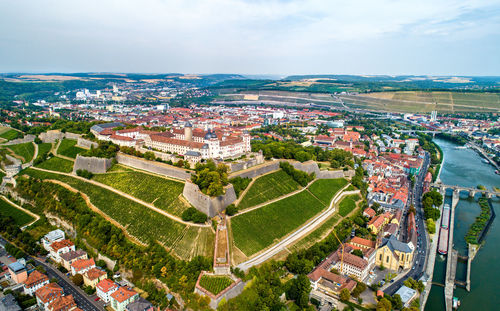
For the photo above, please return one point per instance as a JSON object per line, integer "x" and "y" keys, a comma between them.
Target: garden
{"x": 24, "y": 150}
{"x": 215, "y": 284}
{"x": 57, "y": 164}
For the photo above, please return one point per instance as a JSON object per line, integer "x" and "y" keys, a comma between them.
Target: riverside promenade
{"x": 451, "y": 262}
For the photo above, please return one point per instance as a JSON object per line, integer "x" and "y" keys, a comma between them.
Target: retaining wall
{"x": 257, "y": 171}
{"x": 206, "y": 204}
{"x": 92, "y": 164}
{"x": 53, "y": 135}
{"x": 154, "y": 167}
{"x": 27, "y": 139}
{"x": 243, "y": 165}
{"x": 85, "y": 143}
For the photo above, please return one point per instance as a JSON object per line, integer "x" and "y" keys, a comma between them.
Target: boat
{"x": 456, "y": 303}
{"x": 443, "y": 241}
{"x": 445, "y": 219}
{"x": 461, "y": 147}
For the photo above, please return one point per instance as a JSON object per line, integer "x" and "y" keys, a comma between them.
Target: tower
{"x": 188, "y": 131}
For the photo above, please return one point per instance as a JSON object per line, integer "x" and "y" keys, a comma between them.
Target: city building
{"x": 407, "y": 295}
{"x": 63, "y": 303}
{"x": 394, "y": 254}
{"x": 94, "y": 276}
{"x": 81, "y": 266}
{"x": 68, "y": 258}
{"x": 9, "y": 303}
{"x": 18, "y": 272}
{"x": 58, "y": 248}
{"x": 140, "y": 304}
{"x": 122, "y": 297}
{"x": 105, "y": 288}
{"x": 34, "y": 282}
{"x": 51, "y": 237}
{"x": 47, "y": 294}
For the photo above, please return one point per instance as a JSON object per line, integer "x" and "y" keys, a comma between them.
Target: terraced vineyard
{"x": 57, "y": 164}
{"x": 195, "y": 241}
{"x": 215, "y": 284}
{"x": 321, "y": 231}
{"x": 348, "y": 204}
{"x": 20, "y": 217}
{"x": 325, "y": 189}
{"x": 163, "y": 193}
{"x": 139, "y": 221}
{"x": 68, "y": 148}
{"x": 43, "y": 148}
{"x": 268, "y": 187}
{"x": 25, "y": 151}
{"x": 9, "y": 134}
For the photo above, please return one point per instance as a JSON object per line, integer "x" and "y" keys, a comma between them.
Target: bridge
{"x": 420, "y": 131}
{"x": 472, "y": 191}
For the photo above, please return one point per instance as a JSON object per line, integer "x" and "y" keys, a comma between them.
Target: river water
{"x": 465, "y": 167}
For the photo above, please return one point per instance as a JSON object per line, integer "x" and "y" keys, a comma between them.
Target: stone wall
{"x": 308, "y": 167}
{"x": 206, "y": 204}
{"x": 53, "y": 135}
{"x": 92, "y": 164}
{"x": 232, "y": 291}
{"x": 27, "y": 139}
{"x": 258, "y": 170}
{"x": 257, "y": 159}
{"x": 153, "y": 167}
{"x": 85, "y": 143}
{"x": 69, "y": 135}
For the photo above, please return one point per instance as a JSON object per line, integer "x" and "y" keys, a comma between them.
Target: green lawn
{"x": 268, "y": 187}
{"x": 215, "y": 284}
{"x": 325, "y": 189}
{"x": 25, "y": 150}
{"x": 10, "y": 134}
{"x": 348, "y": 204}
{"x": 67, "y": 148}
{"x": 140, "y": 221}
{"x": 43, "y": 148}
{"x": 57, "y": 164}
{"x": 163, "y": 193}
{"x": 20, "y": 217}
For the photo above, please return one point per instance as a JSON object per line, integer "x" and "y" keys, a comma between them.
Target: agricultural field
{"x": 68, "y": 148}
{"x": 161, "y": 192}
{"x": 325, "y": 189}
{"x": 348, "y": 204}
{"x": 20, "y": 217}
{"x": 57, "y": 164}
{"x": 259, "y": 228}
{"x": 268, "y": 187}
{"x": 195, "y": 241}
{"x": 319, "y": 233}
{"x": 215, "y": 284}
{"x": 24, "y": 151}
{"x": 139, "y": 221}
{"x": 44, "y": 148}
{"x": 9, "y": 134}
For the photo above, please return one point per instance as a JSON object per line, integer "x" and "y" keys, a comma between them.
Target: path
{"x": 299, "y": 233}
{"x": 126, "y": 195}
{"x": 22, "y": 209}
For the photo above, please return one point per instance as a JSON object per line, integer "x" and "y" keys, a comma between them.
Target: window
{"x": 387, "y": 259}
{"x": 380, "y": 258}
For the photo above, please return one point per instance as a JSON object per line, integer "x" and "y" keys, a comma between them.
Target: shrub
{"x": 302, "y": 178}
{"x": 194, "y": 215}
{"x": 231, "y": 210}
{"x": 84, "y": 174}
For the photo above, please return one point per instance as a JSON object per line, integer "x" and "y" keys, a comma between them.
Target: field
{"x": 139, "y": 221}
{"x": 261, "y": 227}
{"x": 195, "y": 241}
{"x": 163, "y": 193}
{"x": 421, "y": 101}
{"x": 268, "y": 187}
{"x": 317, "y": 234}
{"x": 43, "y": 148}
{"x": 20, "y": 217}
{"x": 325, "y": 189}
{"x": 348, "y": 204}
{"x": 9, "y": 134}
{"x": 67, "y": 148}
{"x": 26, "y": 151}
{"x": 215, "y": 284}
{"x": 57, "y": 164}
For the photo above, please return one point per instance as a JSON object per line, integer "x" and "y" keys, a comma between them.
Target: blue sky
{"x": 435, "y": 37}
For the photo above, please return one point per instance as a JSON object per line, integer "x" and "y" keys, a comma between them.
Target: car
{"x": 97, "y": 299}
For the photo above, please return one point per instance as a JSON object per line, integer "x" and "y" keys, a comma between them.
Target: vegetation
{"x": 69, "y": 149}
{"x": 231, "y": 210}
{"x": 457, "y": 139}
{"x": 431, "y": 225}
{"x": 11, "y": 134}
{"x": 302, "y": 178}
{"x": 413, "y": 284}
{"x": 348, "y": 204}
{"x": 84, "y": 174}
{"x": 57, "y": 164}
{"x": 425, "y": 141}
{"x": 298, "y": 290}
{"x": 268, "y": 187}
{"x": 210, "y": 178}
{"x": 20, "y": 218}
{"x": 240, "y": 184}
{"x": 24, "y": 150}
{"x": 194, "y": 215}
{"x": 429, "y": 200}
{"x": 473, "y": 236}
{"x": 105, "y": 149}
{"x": 215, "y": 284}
{"x": 325, "y": 189}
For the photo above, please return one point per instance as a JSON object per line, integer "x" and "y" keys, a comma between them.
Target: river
{"x": 464, "y": 167}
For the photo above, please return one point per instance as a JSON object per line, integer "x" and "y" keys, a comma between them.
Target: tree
{"x": 77, "y": 279}
{"x": 299, "y": 290}
{"x": 231, "y": 210}
{"x": 358, "y": 253}
{"x": 345, "y": 295}
{"x": 397, "y": 302}
{"x": 384, "y": 305}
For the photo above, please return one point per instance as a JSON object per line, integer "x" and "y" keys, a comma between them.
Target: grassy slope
{"x": 348, "y": 204}
{"x": 43, "y": 148}
{"x": 20, "y": 217}
{"x": 325, "y": 189}
{"x": 215, "y": 284}
{"x": 67, "y": 148}
{"x": 57, "y": 164}
{"x": 10, "y": 134}
{"x": 268, "y": 187}
{"x": 25, "y": 150}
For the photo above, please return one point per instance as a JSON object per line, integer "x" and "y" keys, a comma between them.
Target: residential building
{"x": 17, "y": 272}
{"x": 51, "y": 237}
{"x": 122, "y": 297}
{"x": 68, "y": 258}
{"x": 105, "y": 288}
{"x": 34, "y": 282}
{"x": 140, "y": 304}
{"x": 369, "y": 212}
{"x": 94, "y": 276}
{"x": 377, "y": 223}
{"x": 47, "y": 294}
{"x": 81, "y": 266}
{"x": 60, "y": 247}
{"x": 9, "y": 303}
{"x": 362, "y": 243}
{"x": 63, "y": 303}
{"x": 394, "y": 254}
{"x": 407, "y": 295}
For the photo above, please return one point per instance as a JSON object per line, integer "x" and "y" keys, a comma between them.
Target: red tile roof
{"x": 35, "y": 278}
{"x": 94, "y": 273}
{"x": 64, "y": 303}
{"x": 123, "y": 294}
{"x": 49, "y": 292}
{"x": 106, "y": 285}
{"x": 173, "y": 141}
{"x": 61, "y": 244}
{"x": 81, "y": 264}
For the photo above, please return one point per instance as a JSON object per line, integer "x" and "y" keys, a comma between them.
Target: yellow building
{"x": 393, "y": 254}
{"x": 377, "y": 223}
{"x": 94, "y": 276}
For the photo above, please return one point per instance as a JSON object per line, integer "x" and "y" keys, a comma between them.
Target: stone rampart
{"x": 69, "y": 135}
{"x": 26, "y": 139}
{"x": 232, "y": 291}
{"x": 258, "y": 170}
{"x": 206, "y": 204}
{"x": 153, "y": 167}
{"x": 308, "y": 167}
{"x": 51, "y": 136}
{"x": 85, "y": 143}
{"x": 257, "y": 159}
{"x": 92, "y": 164}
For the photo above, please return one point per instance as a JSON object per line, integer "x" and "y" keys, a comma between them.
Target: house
{"x": 17, "y": 272}
{"x": 105, "y": 288}
{"x": 369, "y": 212}
{"x": 349, "y": 264}
{"x": 122, "y": 297}
{"x": 407, "y": 295}
{"x": 390, "y": 229}
{"x": 47, "y": 294}
{"x": 51, "y": 237}
{"x": 94, "y": 276}
{"x": 140, "y": 304}
{"x": 377, "y": 223}
{"x": 362, "y": 243}
{"x": 60, "y": 247}
{"x": 81, "y": 266}
{"x": 397, "y": 217}
{"x": 68, "y": 258}
{"x": 63, "y": 303}
{"x": 34, "y": 282}
{"x": 9, "y": 303}
{"x": 327, "y": 282}
{"x": 394, "y": 254}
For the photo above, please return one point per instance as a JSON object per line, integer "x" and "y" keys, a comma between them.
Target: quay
{"x": 451, "y": 263}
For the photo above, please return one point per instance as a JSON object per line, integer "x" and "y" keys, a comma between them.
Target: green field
{"x": 9, "y": 134}
{"x": 268, "y": 187}
{"x": 195, "y": 241}
{"x": 348, "y": 204}
{"x": 25, "y": 150}
{"x": 20, "y": 217}
{"x": 67, "y": 148}
{"x": 163, "y": 193}
{"x": 319, "y": 232}
{"x": 215, "y": 284}
{"x": 140, "y": 221}
{"x": 57, "y": 164}
{"x": 325, "y": 189}
{"x": 43, "y": 148}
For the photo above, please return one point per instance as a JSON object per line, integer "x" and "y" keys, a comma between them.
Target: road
{"x": 422, "y": 246}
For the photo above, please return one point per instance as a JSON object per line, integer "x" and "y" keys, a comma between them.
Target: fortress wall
{"x": 92, "y": 164}
{"x": 27, "y": 139}
{"x": 85, "y": 143}
{"x": 154, "y": 167}
{"x": 50, "y": 136}
{"x": 206, "y": 204}
{"x": 243, "y": 165}
{"x": 69, "y": 135}
{"x": 257, "y": 171}
{"x": 308, "y": 166}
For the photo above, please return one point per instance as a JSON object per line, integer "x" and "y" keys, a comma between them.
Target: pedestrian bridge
{"x": 472, "y": 191}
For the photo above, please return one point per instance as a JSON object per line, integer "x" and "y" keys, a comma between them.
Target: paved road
{"x": 422, "y": 248}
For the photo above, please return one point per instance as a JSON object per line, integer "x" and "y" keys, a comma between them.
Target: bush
{"x": 194, "y": 215}
{"x": 84, "y": 174}
{"x": 302, "y": 178}
{"x": 77, "y": 279}
{"x": 240, "y": 184}
{"x": 231, "y": 210}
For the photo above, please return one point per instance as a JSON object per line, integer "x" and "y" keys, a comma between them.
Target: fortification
{"x": 230, "y": 292}
{"x": 153, "y": 167}
{"x": 206, "y": 204}
{"x": 53, "y": 135}
{"x": 92, "y": 164}
{"x": 258, "y": 170}
{"x": 85, "y": 143}
{"x": 26, "y": 139}
{"x": 257, "y": 159}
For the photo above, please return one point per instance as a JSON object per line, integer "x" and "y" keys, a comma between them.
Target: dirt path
{"x": 97, "y": 210}
{"x": 24, "y": 210}
{"x": 242, "y": 195}
{"x": 126, "y": 195}
{"x": 54, "y": 151}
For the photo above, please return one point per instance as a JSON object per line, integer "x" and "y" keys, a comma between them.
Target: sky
{"x": 281, "y": 37}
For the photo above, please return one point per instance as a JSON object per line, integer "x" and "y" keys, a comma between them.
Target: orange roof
{"x": 369, "y": 211}
{"x": 377, "y": 221}
{"x": 35, "y": 278}
{"x": 63, "y": 303}
{"x": 61, "y": 244}
{"x": 123, "y": 294}
{"x": 363, "y": 242}
{"x": 106, "y": 285}
{"x": 81, "y": 264}
{"x": 173, "y": 141}
{"x": 120, "y": 137}
{"x": 49, "y": 292}
{"x": 94, "y": 273}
